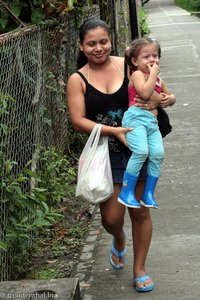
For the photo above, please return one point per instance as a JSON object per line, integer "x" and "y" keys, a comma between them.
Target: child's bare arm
{"x": 143, "y": 84}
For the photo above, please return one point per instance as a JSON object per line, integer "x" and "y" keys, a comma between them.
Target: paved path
{"x": 174, "y": 256}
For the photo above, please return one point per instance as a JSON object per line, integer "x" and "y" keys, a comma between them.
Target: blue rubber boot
{"x": 126, "y": 196}
{"x": 148, "y": 199}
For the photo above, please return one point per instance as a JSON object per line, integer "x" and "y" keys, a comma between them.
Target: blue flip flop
{"x": 142, "y": 279}
{"x": 121, "y": 254}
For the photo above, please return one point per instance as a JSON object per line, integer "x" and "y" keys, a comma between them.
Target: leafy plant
{"x": 14, "y": 13}
{"x": 47, "y": 273}
{"x": 25, "y": 197}
{"x": 27, "y": 212}
{"x": 56, "y": 174}
{"x": 143, "y": 22}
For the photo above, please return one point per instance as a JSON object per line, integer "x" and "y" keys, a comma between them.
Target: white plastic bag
{"x": 95, "y": 182}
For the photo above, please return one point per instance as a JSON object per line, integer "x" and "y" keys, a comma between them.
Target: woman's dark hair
{"x": 135, "y": 48}
{"x": 84, "y": 28}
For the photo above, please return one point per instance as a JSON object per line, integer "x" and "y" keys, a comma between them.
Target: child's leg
{"x": 156, "y": 153}
{"x": 137, "y": 142}
{"x": 156, "y": 156}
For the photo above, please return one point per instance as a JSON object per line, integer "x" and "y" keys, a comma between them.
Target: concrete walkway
{"x": 174, "y": 256}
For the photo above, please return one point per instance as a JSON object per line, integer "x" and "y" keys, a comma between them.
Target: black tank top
{"x": 107, "y": 109}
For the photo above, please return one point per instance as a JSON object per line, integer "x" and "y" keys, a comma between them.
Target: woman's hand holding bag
{"x": 95, "y": 182}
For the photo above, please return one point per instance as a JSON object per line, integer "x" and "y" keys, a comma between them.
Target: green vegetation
{"x": 47, "y": 273}
{"x": 143, "y": 22}
{"x": 185, "y": 4}
{"x": 33, "y": 199}
{"x": 191, "y": 6}
{"x": 55, "y": 251}
{"x": 20, "y": 13}
{"x": 56, "y": 174}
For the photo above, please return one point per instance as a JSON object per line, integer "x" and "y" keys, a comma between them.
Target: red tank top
{"x": 132, "y": 94}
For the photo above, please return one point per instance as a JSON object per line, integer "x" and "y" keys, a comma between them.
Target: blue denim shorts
{"x": 118, "y": 165}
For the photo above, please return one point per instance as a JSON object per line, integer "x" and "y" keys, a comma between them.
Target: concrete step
{"x": 58, "y": 289}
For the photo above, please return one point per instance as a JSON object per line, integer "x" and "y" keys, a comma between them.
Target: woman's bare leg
{"x": 142, "y": 234}
{"x": 112, "y": 216}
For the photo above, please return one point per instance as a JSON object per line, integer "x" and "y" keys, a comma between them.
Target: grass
{"x": 185, "y": 4}
{"x": 189, "y": 5}
{"x": 46, "y": 273}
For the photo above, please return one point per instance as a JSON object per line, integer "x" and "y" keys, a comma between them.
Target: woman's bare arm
{"x": 168, "y": 99}
{"x": 153, "y": 102}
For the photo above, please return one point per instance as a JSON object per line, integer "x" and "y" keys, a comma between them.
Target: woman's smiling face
{"x": 96, "y": 45}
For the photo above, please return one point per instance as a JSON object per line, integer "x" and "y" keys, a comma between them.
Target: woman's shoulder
{"x": 77, "y": 75}
{"x": 74, "y": 77}
{"x": 76, "y": 81}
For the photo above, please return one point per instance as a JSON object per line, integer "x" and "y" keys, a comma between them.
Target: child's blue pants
{"x": 144, "y": 141}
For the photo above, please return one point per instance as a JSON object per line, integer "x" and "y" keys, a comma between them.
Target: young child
{"x": 145, "y": 139}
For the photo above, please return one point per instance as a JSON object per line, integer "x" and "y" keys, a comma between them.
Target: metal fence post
{"x": 133, "y": 19}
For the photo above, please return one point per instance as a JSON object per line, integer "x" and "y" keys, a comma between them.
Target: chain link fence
{"x": 35, "y": 64}
{"x": 32, "y": 104}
